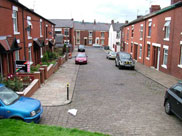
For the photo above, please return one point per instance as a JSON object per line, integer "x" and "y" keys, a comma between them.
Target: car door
{"x": 2, "y": 111}
{"x": 172, "y": 98}
{"x": 178, "y": 102}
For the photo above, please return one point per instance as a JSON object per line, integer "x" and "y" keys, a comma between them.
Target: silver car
{"x": 111, "y": 55}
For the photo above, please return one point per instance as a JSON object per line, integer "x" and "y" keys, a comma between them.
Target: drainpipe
{"x": 24, "y": 35}
{"x": 144, "y": 43}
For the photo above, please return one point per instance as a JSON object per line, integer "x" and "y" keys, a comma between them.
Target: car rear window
{"x": 81, "y": 55}
{"x": 125, "y": 56}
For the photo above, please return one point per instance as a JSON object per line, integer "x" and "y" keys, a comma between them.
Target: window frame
{"x": 15, "y": 19}
{"x": 149, "y": 28}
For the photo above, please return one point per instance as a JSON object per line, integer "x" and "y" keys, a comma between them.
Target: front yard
{"x": 18, "y": 128}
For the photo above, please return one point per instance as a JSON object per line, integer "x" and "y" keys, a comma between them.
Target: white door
{"x": 158, "y": 58}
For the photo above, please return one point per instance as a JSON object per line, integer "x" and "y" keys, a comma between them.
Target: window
{"x": 46, "y": 31}
{"x": 167, "y": 29}
{"x": 66, "y": 41}
{"x": 132, "y": 31}
{"x": 41, "y": 52}
{"x": 140, "y": 55}
{"x": 165, "y": 57}
{"x": 141, "y": 31}
{"x": 58, "y": 30}
{"x": 131, "y": 47}
{"x": 40, "y": 27}
{"x": 102, "y": 34}
{"x": 148, "y": 50}
{"x": 15, "y": 20}
{"x": 17, "y": 57}
{"x": 90, "y": 41}
{"x": 128, "y": 34}
{"x": 118, "y": 35}
{"x": 102, "y": 42}
{"x": 90, "y": 34}
{"x": 66, "y": 32}
{"x": 149, "y": 28}
{"x": 30, "y": 52}
{"x": 78, "y": 34}
{"x": 77, "y": 41}
{"x": 29, "y": 27}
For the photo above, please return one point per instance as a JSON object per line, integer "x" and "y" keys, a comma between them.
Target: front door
{"x": 158, "y": 58}
{"x": 135, "y": 51}
{"x": 85, "y": 41}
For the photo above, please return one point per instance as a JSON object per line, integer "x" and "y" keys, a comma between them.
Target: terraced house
{"x": 24, "y": 35}
{"x": 155, "y": 40}
{"x": 87, "y": 33}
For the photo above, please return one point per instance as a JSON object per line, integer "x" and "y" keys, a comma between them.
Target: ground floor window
{"x": 17, "y": 56}
{"x": 30, "y": 54}
{"x": 148, "y": 50}
{"x": 165, "y": 56}
{"x": 102, "y": 42}
{"x": 90, "y": 41}
{"x": 41, "y": 52}
{"x": 140, "y": 55}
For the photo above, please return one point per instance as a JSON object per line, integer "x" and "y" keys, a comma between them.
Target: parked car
{"x": 81, "y": 48}
{"x": 13, "y": 106}
{"x": 111, "y": 55}
{"x": 81, "y": 58}
{"x": 124, "y": 59}
{"x": 97, "y": 46}
{"x": 173, "y": 100}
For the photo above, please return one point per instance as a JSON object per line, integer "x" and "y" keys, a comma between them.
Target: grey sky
{"x": 88, "y": 10}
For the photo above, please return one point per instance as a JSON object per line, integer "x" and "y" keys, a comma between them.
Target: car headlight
{"x": 33, "y": 113}
{"x": 121, "y": 63}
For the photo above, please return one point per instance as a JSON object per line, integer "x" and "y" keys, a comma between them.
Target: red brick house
{"x": 24, "y": 35}
{"x": 155, "y": 40}
{"x": 65, "y": 28}
{"x": 91, "y": 33}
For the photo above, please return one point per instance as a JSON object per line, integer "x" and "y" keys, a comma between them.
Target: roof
{"x": 116, "y": 26}
{"x": 25, "y": 8}
{"x": 91, "y": 26}
{"x": 63, "y": 22}
{"x": 176, "y": 5}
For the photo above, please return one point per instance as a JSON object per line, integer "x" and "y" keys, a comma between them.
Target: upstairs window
{"x": 15, "y": 20}
{"x": 102, "y": 34}
{"x": 90, "y": 34}
{"x": 78, "y": 34}
{"x": 132, "y": 31}
{"x": 118, "y": 36}
{"x": 167, "y": 29}
{"x": 66, "y": 32}
{"x": 40, "y": 27}
{"x": 29, "y": 27}
{"x": 128, "y": 34}
{"x": 141, "y": 31}
{"x": 46, "y": 31}
{"x": 149, "y": 28}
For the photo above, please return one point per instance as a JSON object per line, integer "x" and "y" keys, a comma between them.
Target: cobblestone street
{"x": 116, "y": 102}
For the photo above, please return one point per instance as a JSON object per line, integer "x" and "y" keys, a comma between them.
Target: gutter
{"x": 24, "y": 34}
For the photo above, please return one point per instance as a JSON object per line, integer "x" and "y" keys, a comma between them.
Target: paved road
{"x": 116, "y": 102}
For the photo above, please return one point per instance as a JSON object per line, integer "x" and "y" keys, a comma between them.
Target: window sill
{"x": 141, "y": 39}
{"x": 164, "y": 66}
{"x": 29, "y": 37}
{"x": 147, "y": 58}
{"x": 166, "y": 39}
{"x": 41, "y": 56}
{"x": 30, "y": 62}
{"x": 140, "y": 57}
{"x": 180, "y": 65}
{"x": 41, "y": 35}
{"x": 16, "y": 33}
{"x": 148, "y": 36}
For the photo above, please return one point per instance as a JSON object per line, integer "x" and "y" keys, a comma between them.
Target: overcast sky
{"x": 88, "y": 10}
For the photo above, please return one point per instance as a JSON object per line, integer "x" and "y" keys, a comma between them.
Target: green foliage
{"x": 35, "y": 68}
{"x": 10, "y": 127}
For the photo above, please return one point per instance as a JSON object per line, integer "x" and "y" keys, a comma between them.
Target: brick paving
{"x": 116, "y": 102}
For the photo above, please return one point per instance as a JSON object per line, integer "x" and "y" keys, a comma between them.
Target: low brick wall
{"x": 31, "y": 89}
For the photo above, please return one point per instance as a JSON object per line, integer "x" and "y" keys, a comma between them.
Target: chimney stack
{"x": 112, "y": 21}
{"x": 155, "y": 8}
{"x": 82, "y": 21}
{"x": 175, "y": 1}
{"x": 72, "y": 19}
{"x": 94, "y": 21}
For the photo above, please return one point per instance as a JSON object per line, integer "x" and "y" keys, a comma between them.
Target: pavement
{"x": 54, "y": 91}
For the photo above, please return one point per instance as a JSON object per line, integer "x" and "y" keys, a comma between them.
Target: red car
{"x": 81, "y": 58}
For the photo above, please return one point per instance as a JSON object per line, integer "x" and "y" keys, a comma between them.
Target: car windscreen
{"x": 125, "y": 56}
{"x": 113, "y": 53}
{"x": 8, "y": 96}
{"x": 81, "y": 46}
{"x": 81, "y": 56}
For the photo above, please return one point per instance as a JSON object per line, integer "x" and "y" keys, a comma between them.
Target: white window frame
{"x": 140, "y": 53}
{"x": 77, "y": 41}
{"x": 29, "y": 24}
{"x": 149, "y": 28}
{"x": 90, "y": 33}
{"x": 78, "y": 35}
{"x": 41, "y": 28}
{"x": 141, "y": 32}
{"x": 17, "y": 55}
{"x": 148, "y": 51}
{"x": 167, "y": 30}
{"x": 15, "y": 20}
{"x": 30, "y": 53}
{"x": 90, "y": 41}
{"x": 180, "y": 59}
{"x": 165, "y": 47}
{"x": 66, "y": 35}
{"x": 41, "y": 52}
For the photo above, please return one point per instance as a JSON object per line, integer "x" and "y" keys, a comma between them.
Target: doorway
{"x": 156, "y": 57}
{"x": 135, "y": 51}
{"x": 85, "y": 41}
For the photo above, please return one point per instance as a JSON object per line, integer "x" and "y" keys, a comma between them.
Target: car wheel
{"x": 120, "y": 67}
{"x": 168, "y": 107}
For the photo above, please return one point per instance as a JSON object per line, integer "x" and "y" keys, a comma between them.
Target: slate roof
{"x": 176, "y": 5}
{"x": 91, "y": 26}
{"x": 63, "y": 22}
{"x": 116, "y": 26}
